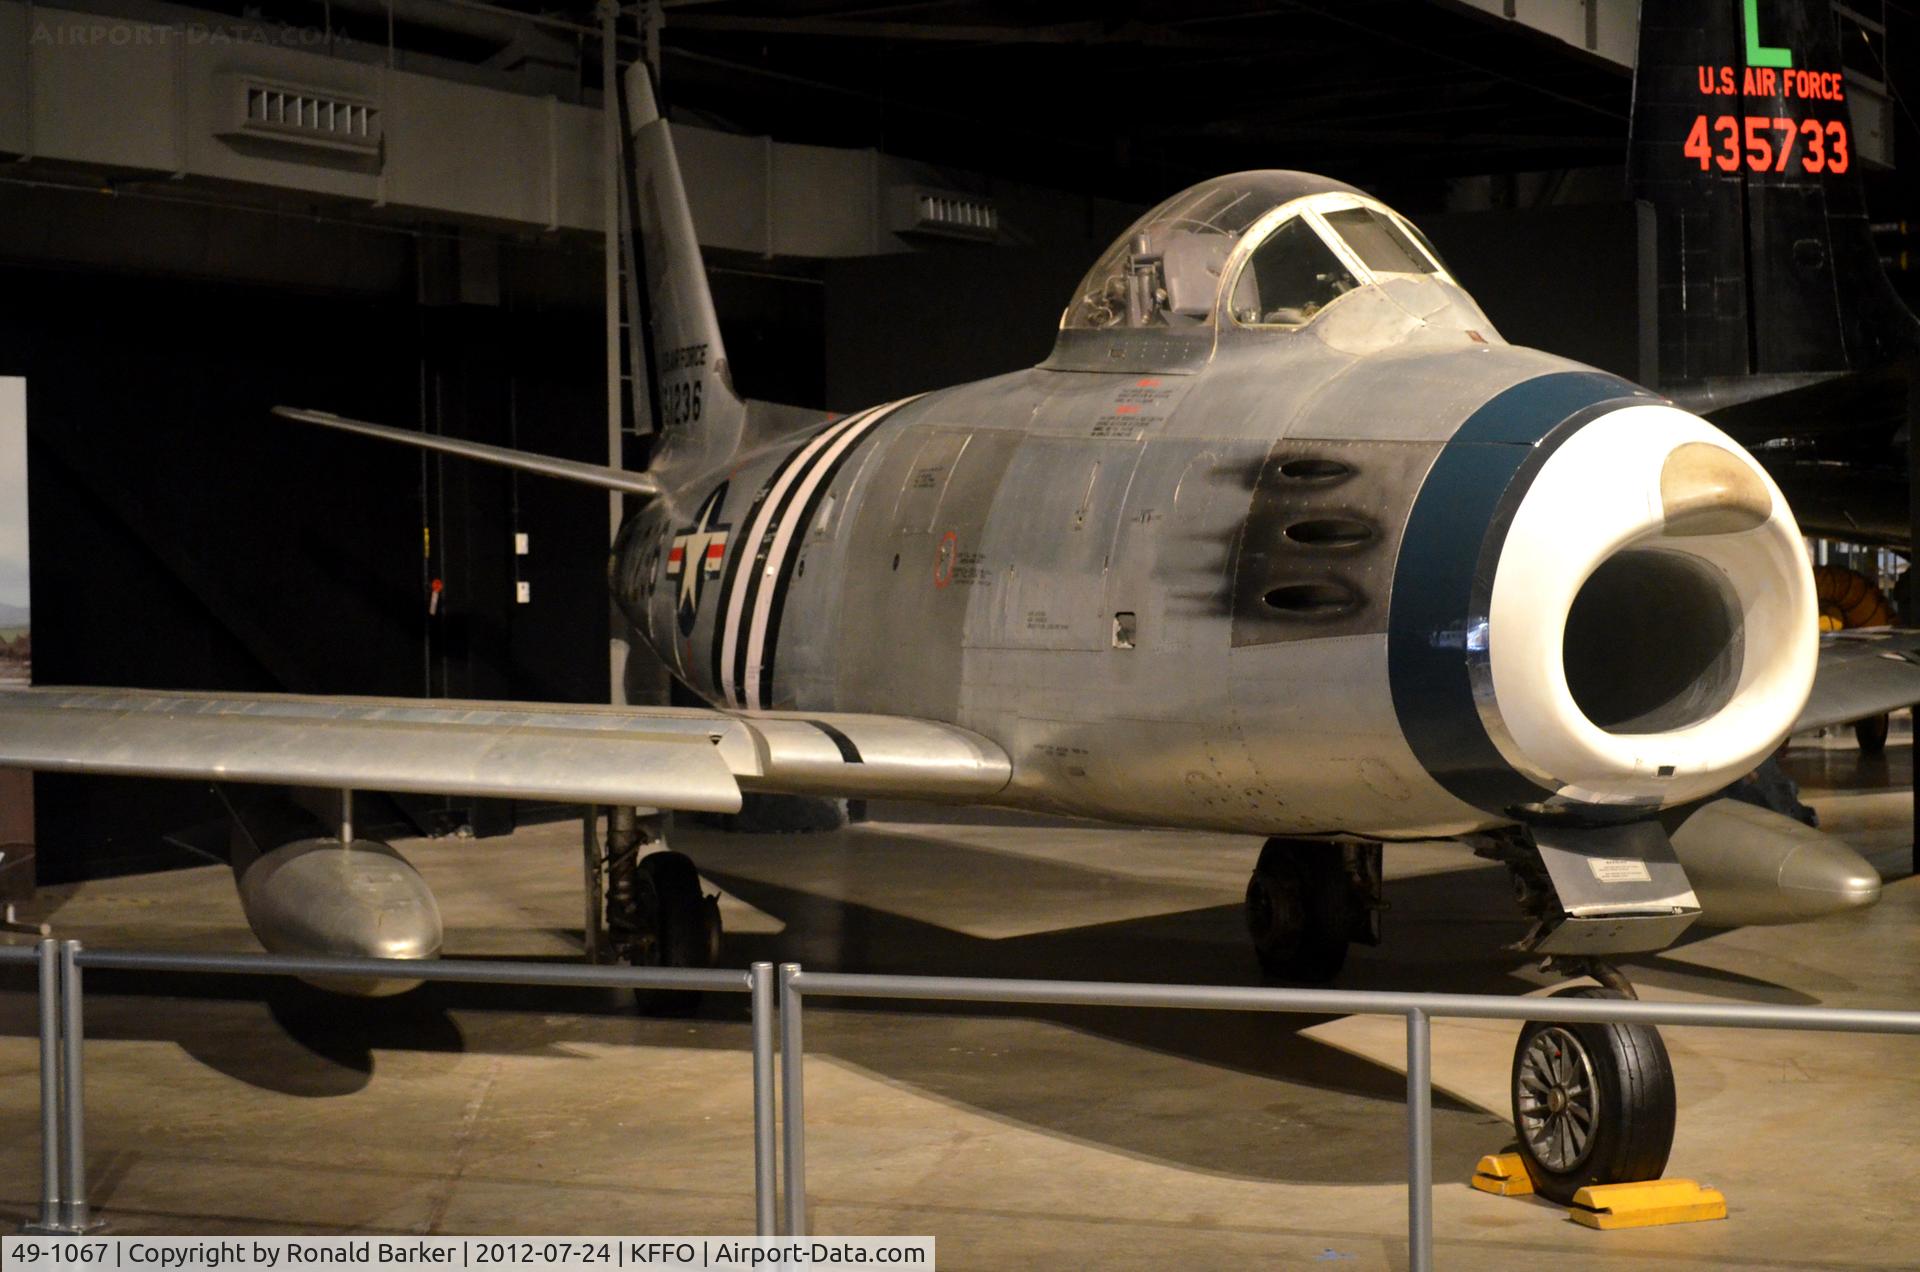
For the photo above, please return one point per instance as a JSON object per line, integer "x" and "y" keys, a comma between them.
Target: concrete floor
{"x": 1018, "y": 1137}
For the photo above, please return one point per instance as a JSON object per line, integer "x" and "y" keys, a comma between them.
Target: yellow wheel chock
{"x": 1503, "y": 1175}
{"x": 1607, "y": 1206}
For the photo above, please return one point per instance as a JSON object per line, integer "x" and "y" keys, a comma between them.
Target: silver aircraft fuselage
{"x": 1244, "y": 578}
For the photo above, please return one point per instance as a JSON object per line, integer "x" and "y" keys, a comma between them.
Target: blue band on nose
{"x": 1443, "y": 580}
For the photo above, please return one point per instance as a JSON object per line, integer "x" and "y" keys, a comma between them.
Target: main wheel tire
{"x": 1592, "y": 1103}
{"x": 689, "y": 929}
{"x": 1299, "y": 911}
{"x": 1871, "y": 735}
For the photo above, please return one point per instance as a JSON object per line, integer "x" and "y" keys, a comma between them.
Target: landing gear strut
{"x": 647, "y": 908}
{"x": 1592, "y": 1103}
{"x": 1307, "y": 901}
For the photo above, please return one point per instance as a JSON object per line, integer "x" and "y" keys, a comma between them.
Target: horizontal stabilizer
{"x": 527, "y": 462}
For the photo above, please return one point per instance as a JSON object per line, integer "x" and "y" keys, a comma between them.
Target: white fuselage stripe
{"x": 787, "y": 532}
{"x": 749, "y": 544}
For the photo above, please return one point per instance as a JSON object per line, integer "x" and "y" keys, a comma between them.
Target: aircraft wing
{"x": 662, "y": 757}
{"x": 1862, "y": 673}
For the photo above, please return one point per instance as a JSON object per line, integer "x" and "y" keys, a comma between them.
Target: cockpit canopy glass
{"x": 1324, "y": 240}
{"x": 1291, "y": 276}
{"x": 1165, "y": 270}
{"x": 1379, "y": 242}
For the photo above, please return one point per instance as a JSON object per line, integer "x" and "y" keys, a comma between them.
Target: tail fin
{"x": 699, "y": 418}
{"x": 1742, "y": 142}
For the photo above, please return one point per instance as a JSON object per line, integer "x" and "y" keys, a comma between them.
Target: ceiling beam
{"x": 1089, "y": 33}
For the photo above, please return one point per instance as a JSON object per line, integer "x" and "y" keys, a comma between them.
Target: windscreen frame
{"x": 1313, "y": 208}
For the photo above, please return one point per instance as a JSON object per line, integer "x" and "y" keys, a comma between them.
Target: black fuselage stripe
{"x": 807, "y": 456}
{"x": 742, "y": 550}
{"x": 785, "y": 578}
{"x": 848, "y": 751}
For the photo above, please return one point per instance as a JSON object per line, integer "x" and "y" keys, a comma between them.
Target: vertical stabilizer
{"x": 1743, "y": 144}
{"x": 698, "y": 416}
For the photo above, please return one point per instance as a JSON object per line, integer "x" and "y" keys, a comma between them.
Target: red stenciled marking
{"x": 678, "y": 554}
{"x": 1147, "y": 384}
{"x": 943, "y": 561}
{"x": 715, "y": 551}
{"x": 1767, "y": 143}
{"x": 1126, "y": 410}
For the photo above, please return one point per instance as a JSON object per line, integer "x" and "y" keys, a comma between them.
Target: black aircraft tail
{"x": 1743, "y": 146}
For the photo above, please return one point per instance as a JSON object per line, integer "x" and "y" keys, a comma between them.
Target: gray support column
{"x": 1912, "y": 589}
{"x": 610, "y": 182}
{"x": 73, "y": 1187}
{"x": 49, "y": 1086}
{"x": 765, "y": 1147}
{"x": 1419, "y": 1141}
{"x": 793, "y": 1113}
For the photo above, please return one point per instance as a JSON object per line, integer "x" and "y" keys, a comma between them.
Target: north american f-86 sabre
{"x": 1283, "y": 539}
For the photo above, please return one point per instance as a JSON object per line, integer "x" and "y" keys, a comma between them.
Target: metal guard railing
{"x": 63, "y": 1202}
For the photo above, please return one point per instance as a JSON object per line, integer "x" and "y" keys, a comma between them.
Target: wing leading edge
{"x": 663, "y": 757}
{"x": 1861, "y": 674}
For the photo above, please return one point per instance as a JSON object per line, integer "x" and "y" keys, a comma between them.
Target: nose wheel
{"x": 1592, "y": 1103}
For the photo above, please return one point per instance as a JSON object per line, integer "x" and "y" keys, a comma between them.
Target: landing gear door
{"x": 1621, "y": 889}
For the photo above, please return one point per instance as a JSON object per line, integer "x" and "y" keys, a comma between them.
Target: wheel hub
{"x": 1558, "y": 1100}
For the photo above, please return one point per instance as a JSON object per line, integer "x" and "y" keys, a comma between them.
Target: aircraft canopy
{"x": 1324, "y": 239}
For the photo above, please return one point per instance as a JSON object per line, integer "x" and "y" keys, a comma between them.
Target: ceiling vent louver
{"x": 920, "y": 210}
{"x": 301, "y": 116}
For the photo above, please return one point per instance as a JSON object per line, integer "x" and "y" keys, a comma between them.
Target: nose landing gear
{"x": 1592, "y": 1103}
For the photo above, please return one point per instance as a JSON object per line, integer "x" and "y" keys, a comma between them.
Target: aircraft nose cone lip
{"x": 1838, "y": 878}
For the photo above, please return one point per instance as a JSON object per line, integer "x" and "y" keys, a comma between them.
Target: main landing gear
{"x": 647, "y": 908}
{"x": 1307, "y": 901}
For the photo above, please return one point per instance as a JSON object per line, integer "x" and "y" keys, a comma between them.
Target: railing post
{"x": 1419, "y": 1141}
{"x": 793, "y": 1114}
{"x": 765, "y": 1181}
{"x": 49, "y": 1088}
{"x": 73, "y": 1034}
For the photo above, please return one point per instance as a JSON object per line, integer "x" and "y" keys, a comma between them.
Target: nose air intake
{"x": 1652, "y": 631}
{"x": 1635, "y": 626}
{"x": 1654, "y": 642}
